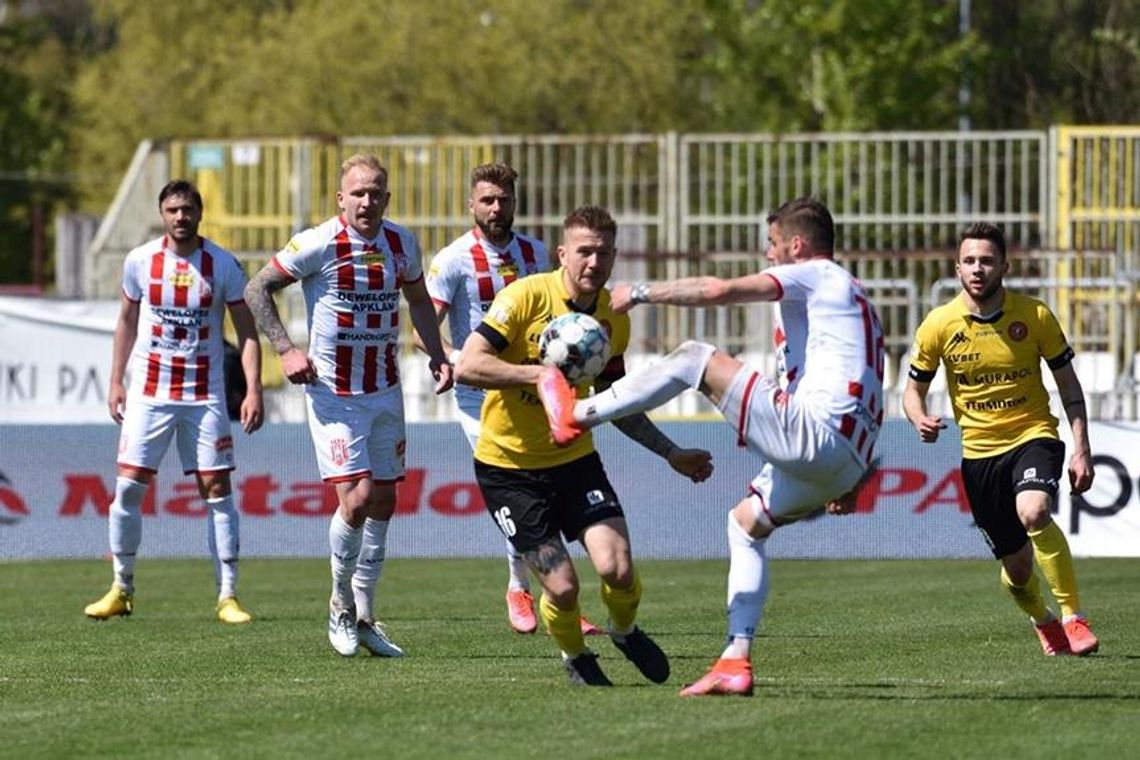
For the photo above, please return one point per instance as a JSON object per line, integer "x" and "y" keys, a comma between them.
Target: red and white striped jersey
{"x": 352, "y": 293}
{"x": 829, "y": 346}
{"x": 178, "y": 354}
{"x": 466, "y": 275}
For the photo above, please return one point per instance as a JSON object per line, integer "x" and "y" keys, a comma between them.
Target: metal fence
{"x": 1068, "y": 198}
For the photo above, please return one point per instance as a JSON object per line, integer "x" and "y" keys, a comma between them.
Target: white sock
{"x": 124, "y": 526}
{"x": 222, "y": 536}
{"x": 344, "y": 549}
{"x": 369, "y": 566}
{"x": 649, "y": 387}
{"x": 747, "y": 588}
{"x": 518, "y": 574}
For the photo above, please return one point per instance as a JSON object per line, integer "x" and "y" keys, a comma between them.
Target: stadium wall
{"x": 56, "y": 484}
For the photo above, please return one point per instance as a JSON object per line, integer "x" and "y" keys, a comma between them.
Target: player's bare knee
{"x": 561, "y": 588}
{"x": 1034, "y": 509}
{"x": 214, "y": 485}
{"x": 617, "y": 572}
{"x": 752, "y": 518}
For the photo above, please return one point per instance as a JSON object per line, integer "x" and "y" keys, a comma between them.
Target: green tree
{"x": 36, "y": 67}
{"x": 787, "y": 65}
{"x": 1058, "y": 61}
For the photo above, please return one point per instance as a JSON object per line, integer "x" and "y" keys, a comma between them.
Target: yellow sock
{"x": 1056, "y": 562}
{"x": 563, "y": 626}
{"x": 622, "y": 603}
{"x": 1027, "y": 597}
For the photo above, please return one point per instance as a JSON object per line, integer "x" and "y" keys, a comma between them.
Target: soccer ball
{"x": 577, "y": 344}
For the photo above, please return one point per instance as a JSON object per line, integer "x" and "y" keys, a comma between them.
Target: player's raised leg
{"x": 642, "y": 390}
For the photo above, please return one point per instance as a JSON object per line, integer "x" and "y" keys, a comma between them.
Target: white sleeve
{"x": 233, "y": 279}
{"x": 132, "y": 286}
{"x": 302, "y": 255}
{"x": 415, "y": 266}
{"x": 441, "y": 278}
{"x": 797, "y": 281}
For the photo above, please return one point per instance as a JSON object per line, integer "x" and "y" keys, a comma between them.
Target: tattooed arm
{"x": 695, "y": 464}
{"x": 259, "y": 296}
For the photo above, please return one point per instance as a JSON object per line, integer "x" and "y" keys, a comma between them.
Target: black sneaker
{"x": 583, "y": 670}
{"x": 644, "y": 653}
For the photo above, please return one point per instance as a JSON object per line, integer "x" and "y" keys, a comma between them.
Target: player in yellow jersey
{"x": 539, "y": 493}
{"x": 991, "y": 343}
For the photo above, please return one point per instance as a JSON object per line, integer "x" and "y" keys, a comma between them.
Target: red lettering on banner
{"x": 898, "y": 481}
{"x": 302, "y": 499}
{"x": 457, "y": 499}
{"x": 187, "y": 502}
{"x": 82, "y": 489}
{"x": 255, "y": 492}
{"x": 310, "y": 500}
{"x": 11, "y": 501}
{"x": 949, "y": 490}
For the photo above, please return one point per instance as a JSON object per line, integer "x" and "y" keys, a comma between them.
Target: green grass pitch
{"x": 855, "y": 659}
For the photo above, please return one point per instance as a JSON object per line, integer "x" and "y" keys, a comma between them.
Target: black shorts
{"x": 992, "y": 485}
{"x": 532, "y": 506}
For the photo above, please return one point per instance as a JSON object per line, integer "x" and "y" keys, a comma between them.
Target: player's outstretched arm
{"x": 479, "y": 365}
{"x": 259, "y": 296}
{"x": 697, "y": 291}
{"x": 694, "y": 464}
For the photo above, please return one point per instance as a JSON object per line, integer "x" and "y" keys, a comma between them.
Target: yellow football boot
{"x": 117, "y": 601}
{"x": 230, "y": 611}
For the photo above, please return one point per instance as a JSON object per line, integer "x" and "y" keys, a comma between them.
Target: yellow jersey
{"x": 513, "y": 431}
{"x": 993, "y": 370}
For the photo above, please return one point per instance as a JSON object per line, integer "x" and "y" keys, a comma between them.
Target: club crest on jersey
{"x": 182, "y": 279}
{"x": 1018, "y": 331}
{"x": 507, "y": 270}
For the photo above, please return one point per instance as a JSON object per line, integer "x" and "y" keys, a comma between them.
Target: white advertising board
{"x": 56, "y": 484}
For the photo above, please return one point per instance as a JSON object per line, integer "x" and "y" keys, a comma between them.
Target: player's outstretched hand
{"x": 444, "y": 374}
{"x": 929, "y": 427}
{"x": 695, "y": 464}
{"x": 619, "y": 298}
{"x": 298, "y": 367}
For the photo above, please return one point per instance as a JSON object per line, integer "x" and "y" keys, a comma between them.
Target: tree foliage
{"x": 86, "y": 80}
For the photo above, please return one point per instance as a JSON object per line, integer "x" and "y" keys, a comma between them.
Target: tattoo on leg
{"x": 545, "y": 558}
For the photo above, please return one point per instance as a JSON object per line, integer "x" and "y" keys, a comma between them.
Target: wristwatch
{"x": 639, "y": 293}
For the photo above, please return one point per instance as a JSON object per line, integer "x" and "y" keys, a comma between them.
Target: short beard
{"x": 494, "y": 233}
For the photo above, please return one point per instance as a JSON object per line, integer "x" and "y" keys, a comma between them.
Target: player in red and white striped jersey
{"x": 353, "y": 270}
{"x": 814, "y": 430}
{"x": 463, "y": 280}
{"x": 170, "y": 329}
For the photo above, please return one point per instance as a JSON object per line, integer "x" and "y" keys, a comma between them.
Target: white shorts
{"x": 203, "y": 434}
{"x": 470, "y": 406}
{"x": 806, "y": 462}
{"x": 358, "y": 436}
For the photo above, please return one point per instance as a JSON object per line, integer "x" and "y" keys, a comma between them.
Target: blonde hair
{"x": 366, "y": 160}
